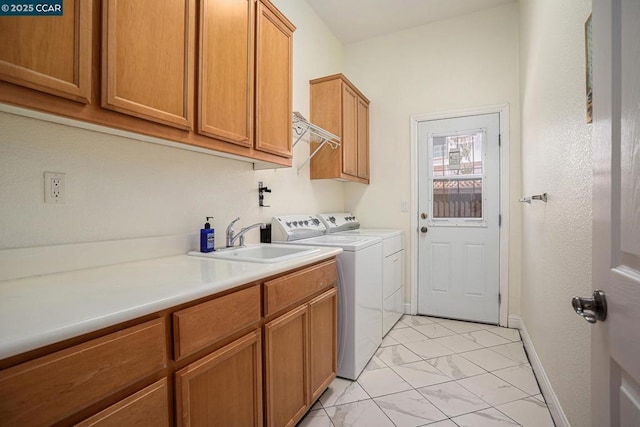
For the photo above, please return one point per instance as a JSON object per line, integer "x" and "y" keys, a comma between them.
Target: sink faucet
{"x": 232, "y": 237}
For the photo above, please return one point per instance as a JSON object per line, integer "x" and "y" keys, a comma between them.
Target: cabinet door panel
{"x": 274, "y": 56}
{"x": 51, "y": 54}
{"x": 293, "y": 288}
{"x": 323, "y": 341}
{"x": 349, "y": 132}
{"x": 149, "y": 406}
{"x": 363, "y": 139}
{"x": 148, "y": 59}
{"x": 199, "y": 326}
{"x": 224, "y": 388}
{"x": 286, "y": 362}
{"x": 226, "y": 70}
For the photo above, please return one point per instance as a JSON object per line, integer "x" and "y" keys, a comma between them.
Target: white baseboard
{"x": 407, "y": 308}
{"x": 550, "y": 396}
{"x": 514, "y": 321}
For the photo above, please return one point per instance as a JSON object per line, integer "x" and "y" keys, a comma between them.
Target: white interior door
{"x": 615, "y": 342}
{"x": 459, "y": 204}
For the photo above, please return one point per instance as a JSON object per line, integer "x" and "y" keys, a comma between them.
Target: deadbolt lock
{"x": 424, "y": 215}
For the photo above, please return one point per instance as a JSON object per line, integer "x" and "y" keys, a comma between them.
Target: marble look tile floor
{"x": 438, "y": 373}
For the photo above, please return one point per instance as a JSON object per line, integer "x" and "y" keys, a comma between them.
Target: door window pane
{"x": 457, "y": 198}
{"x": 457, "y": 167}
{"x": 469, "y": 157}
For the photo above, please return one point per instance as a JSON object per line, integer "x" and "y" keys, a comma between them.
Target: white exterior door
{"x": 459, "y": 204}
{"x": 615, "y": 342}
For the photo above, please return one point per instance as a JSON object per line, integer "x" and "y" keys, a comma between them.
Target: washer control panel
{"x": 342, "y": 221}
{"x": 296, "y": 227}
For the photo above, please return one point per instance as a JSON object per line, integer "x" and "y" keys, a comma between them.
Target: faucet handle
{"x": 230, "y": 226}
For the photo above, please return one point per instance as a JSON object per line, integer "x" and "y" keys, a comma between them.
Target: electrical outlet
{"x": 54, "y": 187}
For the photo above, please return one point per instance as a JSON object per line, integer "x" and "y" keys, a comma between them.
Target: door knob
{"x": 424, "y": 229}
{"x": 592, "y": 309}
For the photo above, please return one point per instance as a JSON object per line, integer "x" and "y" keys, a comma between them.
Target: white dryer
{"x": 393, "y": 261}
{"x": 359, "y": 286}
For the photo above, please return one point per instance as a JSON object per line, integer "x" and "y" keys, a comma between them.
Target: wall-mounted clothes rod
{"x": 542, "y": 197}
{"x": 302, "y": 126}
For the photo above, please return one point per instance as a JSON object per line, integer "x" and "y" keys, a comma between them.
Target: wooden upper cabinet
{"x": 227, "y": 70}
{"x": 274, "y": 65}
{"x": 50, "y": 53}
{"x": 339, "y": 107}
{"x": 152, "y": 65}
{"x": 148, "y": 59}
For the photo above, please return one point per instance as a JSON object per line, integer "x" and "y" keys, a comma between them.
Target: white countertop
{"x": 42, "y": 310}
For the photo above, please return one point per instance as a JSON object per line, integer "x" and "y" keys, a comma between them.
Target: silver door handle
{"x": 592, "y": 309}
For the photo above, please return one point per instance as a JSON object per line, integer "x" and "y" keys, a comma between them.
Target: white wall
{"x": 556, "y": 158}
{"x": 469, "y": 61}
{"x": 120, "y": 188}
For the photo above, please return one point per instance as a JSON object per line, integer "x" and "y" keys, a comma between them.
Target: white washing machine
{"x": 359, "y": 286}
{"x": 392, "y": 263}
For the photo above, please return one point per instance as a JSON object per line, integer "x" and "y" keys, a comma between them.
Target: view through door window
{"x": 457, "y": 175}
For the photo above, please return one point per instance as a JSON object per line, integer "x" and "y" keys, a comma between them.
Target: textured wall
{"x": 469, "y": 61}
{"x": 120, "y": 188}
{"x": 556, "y": 158}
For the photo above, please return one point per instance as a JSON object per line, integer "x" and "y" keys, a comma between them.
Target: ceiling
{"x": 355, "y": 20}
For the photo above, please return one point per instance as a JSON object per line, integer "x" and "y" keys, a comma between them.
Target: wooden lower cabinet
{"x": 148, "y": 407}
{"x": 51, "y": 388}
{"x": 323, "y": 342}
{"x": 224, "y": 388}
{"x": 300, "y": 358}
{"x": 220, "y": 360}
{"x": 287, "y": 366}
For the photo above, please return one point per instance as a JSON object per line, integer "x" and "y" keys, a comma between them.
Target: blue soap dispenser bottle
{"x": 207, "y": 237}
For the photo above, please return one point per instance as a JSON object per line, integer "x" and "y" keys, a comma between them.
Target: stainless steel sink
{"x": 263, "y": 253}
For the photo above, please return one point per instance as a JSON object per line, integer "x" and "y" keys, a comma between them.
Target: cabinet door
{"x": 149, "y": 406}
{"x": 226, "y": 70}
{"x": 286, "y": 367}
{"x": 148, "y": 59}
{"x": 274, "y": 61}
{"x": 224, "y": 388}
{"x": 349, "y": 131}
{"x": 323, "y": 341}
{"x": 363, "y": 139}
{"x": 49, "y": 53}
